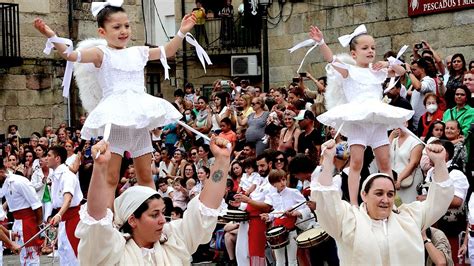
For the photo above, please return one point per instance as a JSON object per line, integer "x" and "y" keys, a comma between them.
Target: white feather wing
{"x": 86, "y": 77}
{"x": 334, "y": 94}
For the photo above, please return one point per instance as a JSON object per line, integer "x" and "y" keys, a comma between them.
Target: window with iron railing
{"x": 9, "y": 35}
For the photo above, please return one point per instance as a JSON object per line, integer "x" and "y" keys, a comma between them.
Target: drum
{"x": 236, "y": 216}
{"x": 311, "y": 237}
{"x": 277, "y": 237}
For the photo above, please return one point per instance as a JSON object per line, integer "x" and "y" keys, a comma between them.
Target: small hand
{"x": 397, "y": 185}
{"x": 316, "y": 34}
{"x": 15, "y": 248}
{"x": 265, "y": 217}
{"x": 242, "y": 198}
{"x": 329, "y": 149}
{"x": 55, "y": 220}
{"x": 426, "y": 44}
{"x": 234, "y": 203}
{"x": 293, "y": 213}
{"x": 462, "y": 251}
{"x": 43, "y": 28}
{"x": 311, "y": 205}
{"x": 187, "y": 23}
{"x": 379, "y": 65}
{"x": 421, "y": 197}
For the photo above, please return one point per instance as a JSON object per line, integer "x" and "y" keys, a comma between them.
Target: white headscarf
{"x": 127, "y": 203}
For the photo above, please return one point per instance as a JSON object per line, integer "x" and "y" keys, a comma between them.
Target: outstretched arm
{"x": 214, "y": 190}
{"x": 170, "y": 48}
{"x": 317, "y": 35}
{"x": 91, "y": 55}
{"x": 100, "y": 190}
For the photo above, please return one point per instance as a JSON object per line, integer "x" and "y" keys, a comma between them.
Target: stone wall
{"x": 386, "y": 20}
{"x": 31, "y": 94}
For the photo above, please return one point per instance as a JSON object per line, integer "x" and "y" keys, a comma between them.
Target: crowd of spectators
{"x": 279, "y": 125}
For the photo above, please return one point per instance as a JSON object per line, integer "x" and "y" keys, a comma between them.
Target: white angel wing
{"x": 334, "y": 94}
{"x": 86, "y": 78}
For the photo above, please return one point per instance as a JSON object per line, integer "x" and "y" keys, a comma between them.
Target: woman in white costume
{"x": 138, "y": 212}
{"x": 375, "y": 233}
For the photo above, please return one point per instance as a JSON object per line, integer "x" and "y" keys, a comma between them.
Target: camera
{"x": 296, "y": 80}
{"x": 225, "y": 83}
{"x": 419, "y": 45}
{"x": 303, "y": 74}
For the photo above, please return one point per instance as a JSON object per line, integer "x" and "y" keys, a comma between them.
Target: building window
{"x": 153, "y": 85}
{"x": 9, "y": 35}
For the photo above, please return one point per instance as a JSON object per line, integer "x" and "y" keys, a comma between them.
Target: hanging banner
{"x": 425, "y": 7}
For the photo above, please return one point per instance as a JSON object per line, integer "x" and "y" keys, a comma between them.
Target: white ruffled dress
{"x": 363, "y": 92}
{"x": 125, "y": 102}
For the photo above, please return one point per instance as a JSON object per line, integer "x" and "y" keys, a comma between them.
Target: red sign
{"x": 424, "y": 7}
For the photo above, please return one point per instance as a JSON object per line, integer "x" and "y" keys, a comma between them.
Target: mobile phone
{"x": 296, "y": 80}
{"x": 224, "y": 82}
{"x": 419, "y": 45}
{"x": 303, "y": 74}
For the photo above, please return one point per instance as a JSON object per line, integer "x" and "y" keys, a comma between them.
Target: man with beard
{"x": 251, "y": 239}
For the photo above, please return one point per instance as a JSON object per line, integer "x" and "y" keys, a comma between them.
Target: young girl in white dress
{"x": 366, "y": 119}
{"x": 125, "y": 105}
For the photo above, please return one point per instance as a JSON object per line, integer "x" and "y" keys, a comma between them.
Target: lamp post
{"x": 266, "y": 77}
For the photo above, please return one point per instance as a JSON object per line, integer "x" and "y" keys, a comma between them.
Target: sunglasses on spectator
{"x": 193, "y": 153}
{"x": 281, "y": 160}
{"x": 254, "y": 103}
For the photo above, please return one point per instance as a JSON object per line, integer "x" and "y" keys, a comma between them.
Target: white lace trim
{"x": 89, "y": 220}
{"x": 206, "y": 211}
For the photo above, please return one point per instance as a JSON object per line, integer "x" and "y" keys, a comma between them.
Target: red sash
{"x": 287, "y": 222}
{"x": 257, "y": 228}
{"x": 29, "y": 226}
{"x": 71, "y": 217}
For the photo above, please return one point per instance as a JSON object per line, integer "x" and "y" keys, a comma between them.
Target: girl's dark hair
{"x": 105, "y": 13}
{"x": 452, "y": 72}
{"x": 250, "y": 162}
{"x": 353, "y": 42}
{"x": 194, "y": 170}
{"x": 126, "y": 228}
{"x": 232, "y": 175}
{"x": 204, "y": 98}
{"x": 206, "y": 170}
{"x": 206, "y": 149}
{"x": 223, "y": 96}
{"x": 466, "y": 91}
{"x": 430, "y": 129}
{"x": 371, "y": 181}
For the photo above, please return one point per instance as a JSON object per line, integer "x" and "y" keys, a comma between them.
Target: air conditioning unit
{"x": 244, "y": 65}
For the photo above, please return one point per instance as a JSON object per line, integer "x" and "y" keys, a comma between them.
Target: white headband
{"x": 345, "y": 40}
{"x": 96, "y": 7}
{"x": 370, "y": 177}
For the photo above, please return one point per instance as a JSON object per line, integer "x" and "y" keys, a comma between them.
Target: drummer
{"x": 303, "y": 168}
{"x": 283, "y": 200}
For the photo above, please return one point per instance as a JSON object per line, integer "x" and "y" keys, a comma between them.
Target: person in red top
{"x": 226, "y": 131}
{"x": 433, "y": 113}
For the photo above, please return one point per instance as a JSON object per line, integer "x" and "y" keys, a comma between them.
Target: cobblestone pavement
{"x": 14, "y": 260}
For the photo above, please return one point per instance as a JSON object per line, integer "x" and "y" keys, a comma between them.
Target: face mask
{"x": 431, "y": 108}
{"x": 188, "y": 117}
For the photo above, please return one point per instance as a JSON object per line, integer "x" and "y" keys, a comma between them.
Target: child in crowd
{"x": 364, "y": 117}
{"x": 226, "y": 131}
{"x": 251, "y": 178}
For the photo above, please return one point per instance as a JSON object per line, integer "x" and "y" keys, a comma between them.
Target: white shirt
{"x": 165, "y": 168}
{"x": 247, "y": 181}
{"x": 286, "y": 200}
{"x": 461, "y": 185}
{"x": 470, "y": 206}
{"x": 167, "y": 193}
{"x": 19, "y": 193}
{"x": 37, "y": 181}
{"x": 65, "y": 181}
{"x": 427, "y": 85}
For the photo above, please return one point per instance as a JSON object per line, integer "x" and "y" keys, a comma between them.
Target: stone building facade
{"x": 386, "y": 20}
{"x": 31, "y": 94}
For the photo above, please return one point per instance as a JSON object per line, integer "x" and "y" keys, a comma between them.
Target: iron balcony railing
{"x": 221, "y": 35}
{"x": 10, "y": 35}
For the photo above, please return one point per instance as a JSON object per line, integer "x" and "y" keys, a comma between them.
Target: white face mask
{"x": 188, "y": 117}
{"x": 431, "y": 108}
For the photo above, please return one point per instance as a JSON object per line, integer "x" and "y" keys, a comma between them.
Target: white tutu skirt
{"x": 129, "y": 109}
{"x": 369, "y": 111}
